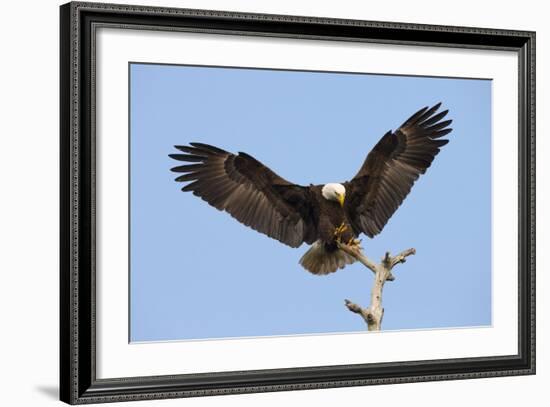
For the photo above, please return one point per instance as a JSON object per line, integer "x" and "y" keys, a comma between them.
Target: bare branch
{"x": 402, "y": 257}
{"x": 365, "y": 313}
{"x": 382, "y": 272}
{"x": 356, "y": 252}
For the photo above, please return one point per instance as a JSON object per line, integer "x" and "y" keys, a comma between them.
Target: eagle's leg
{"x": 339, "y": 231}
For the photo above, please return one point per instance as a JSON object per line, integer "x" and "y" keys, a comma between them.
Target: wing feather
{"x": 391, "y": 168}
{"x": 249, "y": 191}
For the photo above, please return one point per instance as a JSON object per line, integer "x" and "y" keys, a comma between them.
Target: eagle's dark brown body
{"x": 294, "y": 214}
{"x": 330, "y": 215}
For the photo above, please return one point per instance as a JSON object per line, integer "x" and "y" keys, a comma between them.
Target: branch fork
{"x": 374, "y": 313}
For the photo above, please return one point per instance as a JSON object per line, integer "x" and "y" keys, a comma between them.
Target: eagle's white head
{"x": 334, "y": 192}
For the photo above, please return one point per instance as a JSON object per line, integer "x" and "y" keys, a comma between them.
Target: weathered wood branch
{"x": 382, "y": 272}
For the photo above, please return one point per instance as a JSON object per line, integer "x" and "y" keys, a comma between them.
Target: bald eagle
{"x": 320, "y": 215}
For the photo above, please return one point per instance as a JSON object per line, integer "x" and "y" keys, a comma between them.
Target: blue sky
{"x": 196, "y": 273}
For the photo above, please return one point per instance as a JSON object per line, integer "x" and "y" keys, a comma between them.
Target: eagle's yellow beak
{"x": 341, "y": 199}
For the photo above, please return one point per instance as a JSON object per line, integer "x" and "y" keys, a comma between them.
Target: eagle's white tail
{"x": 318, "y": 260}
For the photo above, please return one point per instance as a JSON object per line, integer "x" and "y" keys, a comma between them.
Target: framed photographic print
{"x": 255, "y": 203}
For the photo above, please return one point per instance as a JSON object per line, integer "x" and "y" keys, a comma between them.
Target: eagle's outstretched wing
{"x": 392, "y": 167}
{"x": 249, "y": 191}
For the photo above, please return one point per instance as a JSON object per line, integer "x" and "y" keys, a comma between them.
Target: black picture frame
{"x": 78, "y": 382}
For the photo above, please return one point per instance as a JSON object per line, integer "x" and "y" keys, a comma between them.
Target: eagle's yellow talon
{"x": 354, "y": 242}
{"x": 342, "y": 228}
{"x": 339, "y": 231}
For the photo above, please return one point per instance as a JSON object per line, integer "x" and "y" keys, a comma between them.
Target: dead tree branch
{"x": 374, "y": 313}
